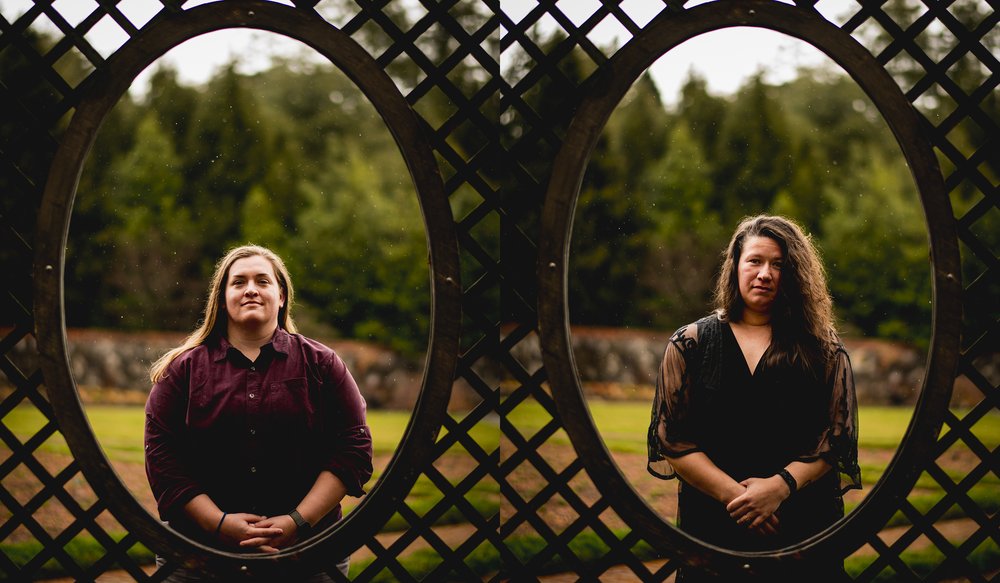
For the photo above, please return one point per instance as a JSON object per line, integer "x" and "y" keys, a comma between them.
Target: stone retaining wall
{"x": 103, "y": 361}
{"x": 613, "y": 363}
{"x": 623, "y": 363}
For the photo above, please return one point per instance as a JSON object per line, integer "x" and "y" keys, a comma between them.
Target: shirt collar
{"x": 280, "y": 342}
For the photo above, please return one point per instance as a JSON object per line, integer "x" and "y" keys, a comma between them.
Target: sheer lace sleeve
{"x": 670, "y": 427}
{"x": 838, "y": 444}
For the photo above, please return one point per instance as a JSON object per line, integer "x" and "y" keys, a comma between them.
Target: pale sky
{"x": 725, "y": 58}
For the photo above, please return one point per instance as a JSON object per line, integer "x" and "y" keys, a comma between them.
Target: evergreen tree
{"x": 90, "y": 246}
{"x": 226, "y": 153}
{"x": 754, "y": 153}
{"x": 875, "y": 247}
{"x": 684, "y": 236}
{"x": 608, "y": 245}
{"x": 701, "y": 111}
{"x": 155, "y": 247}
{"x": 360, "y": 254}
{"x": 173, "y": 103}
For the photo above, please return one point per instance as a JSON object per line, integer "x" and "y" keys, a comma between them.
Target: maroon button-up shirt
{"x": 254, "y": 435}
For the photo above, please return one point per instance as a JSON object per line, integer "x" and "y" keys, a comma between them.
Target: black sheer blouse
{"x": 696, "y": 408}
{"x": 751, "y": 423}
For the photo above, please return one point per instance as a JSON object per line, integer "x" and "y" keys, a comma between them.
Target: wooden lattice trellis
{"x": 513, "y": 197}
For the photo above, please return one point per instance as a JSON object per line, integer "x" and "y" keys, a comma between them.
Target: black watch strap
{"x": 301, "y": 524}
{"x": 789, "y": 479}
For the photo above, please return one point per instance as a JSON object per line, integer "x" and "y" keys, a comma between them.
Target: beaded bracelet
{"x": 790, "y": 480}
{"x": 219, "y": 528}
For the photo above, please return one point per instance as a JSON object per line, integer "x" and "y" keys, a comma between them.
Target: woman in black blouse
{"x": 755, "y": 409}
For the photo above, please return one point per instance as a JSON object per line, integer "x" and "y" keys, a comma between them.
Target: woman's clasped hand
{"x": 250, "y": 530}
{"x": 755, "y": 508}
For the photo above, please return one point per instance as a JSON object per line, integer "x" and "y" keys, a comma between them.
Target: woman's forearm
{"x": 699, "y": 471}
{"x": 326, "y": 492}
{"x": 806, "y": 473}
{"x": 203, "y": 511}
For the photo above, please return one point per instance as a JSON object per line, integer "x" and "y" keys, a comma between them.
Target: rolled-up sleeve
{"x": 347, "y": 438}
{"x": 168, "y": 474}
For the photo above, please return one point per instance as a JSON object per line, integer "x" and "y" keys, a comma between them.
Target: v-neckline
{"x": 746, "y": 363}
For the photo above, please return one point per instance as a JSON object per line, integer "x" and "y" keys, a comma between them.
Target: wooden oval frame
{"x": 104, "y": 89}
{"x": 602, "y": 93}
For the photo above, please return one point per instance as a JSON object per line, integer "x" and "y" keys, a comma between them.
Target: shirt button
{"x": 251, "y": 395}
{"x": 254, "y": 368}
{"x": 253, "y": 469}
{"x": 253, "y": 432}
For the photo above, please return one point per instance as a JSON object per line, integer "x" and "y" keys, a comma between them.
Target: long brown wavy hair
{"x": 802, "y": 326}
{"x": 215, "y": 319}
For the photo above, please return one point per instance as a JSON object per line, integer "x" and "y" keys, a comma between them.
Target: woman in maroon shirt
{"x": 254, "y": 433}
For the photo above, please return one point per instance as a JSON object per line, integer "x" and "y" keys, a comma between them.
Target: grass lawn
{"x": 119, "y": 428}
{"x": 623, "y": 425}
{"x": 883, "y": 427}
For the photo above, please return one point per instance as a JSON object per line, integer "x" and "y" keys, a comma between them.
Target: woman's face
{"x": 759, "y": 273}
{"x": 253, "y": 296}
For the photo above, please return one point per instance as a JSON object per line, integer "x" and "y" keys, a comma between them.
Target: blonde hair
{"x": 215, "y": 319}
{"x": 802, "y": 319}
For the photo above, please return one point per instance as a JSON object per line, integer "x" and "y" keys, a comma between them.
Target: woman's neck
{"x": 249, "y": 341}
{"x": 751, "y": 318}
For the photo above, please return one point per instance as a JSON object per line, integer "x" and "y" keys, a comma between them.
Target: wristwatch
{"x": 303, "y": 528}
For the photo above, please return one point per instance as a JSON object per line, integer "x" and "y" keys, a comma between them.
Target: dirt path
{"x": 452, "y": 535}
{"x": 617, "y": 574}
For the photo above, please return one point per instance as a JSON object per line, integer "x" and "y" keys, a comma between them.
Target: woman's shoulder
{"x": 192, "y": 355}
{"x": 313, "y": 350}
{"x": 299, "y": 339}
{"x": 701, "y": 327}
{"x": 833, "y": 345}
{"x": 181, "y": 365}
{"x": 687, "y": 339}
{"x": 836, "y": 349}
{"x": 322, "y": 361}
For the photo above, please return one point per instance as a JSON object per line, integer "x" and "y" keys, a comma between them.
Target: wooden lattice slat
{"x": 509, "y": 173}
